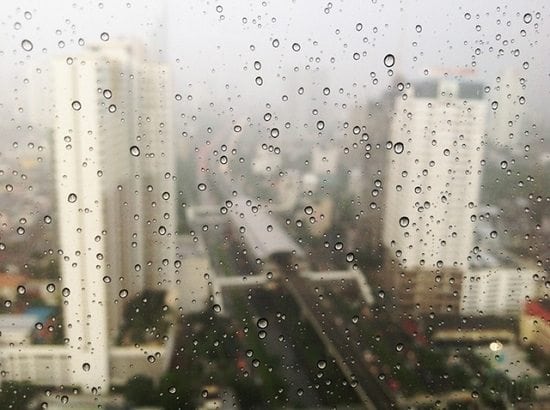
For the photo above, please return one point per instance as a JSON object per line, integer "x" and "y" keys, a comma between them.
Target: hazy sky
{"x": 211, "y": 46}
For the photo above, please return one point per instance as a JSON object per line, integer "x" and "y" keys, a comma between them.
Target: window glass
{"x": 274, "y": 204}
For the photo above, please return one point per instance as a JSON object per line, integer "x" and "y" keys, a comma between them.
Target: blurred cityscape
{"x": 318, "y": 249}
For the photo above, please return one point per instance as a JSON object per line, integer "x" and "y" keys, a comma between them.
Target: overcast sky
{"x": 211, "y": 46}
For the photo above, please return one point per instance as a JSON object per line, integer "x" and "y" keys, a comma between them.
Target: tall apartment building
{"x": 114, "y": 176}
{"x": 432, "y": 183}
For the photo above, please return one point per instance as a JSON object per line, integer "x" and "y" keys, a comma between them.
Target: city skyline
{"x": 338, "y": 212}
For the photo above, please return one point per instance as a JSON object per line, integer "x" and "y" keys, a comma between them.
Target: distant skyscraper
{"x": 434, "y": 174}
{"x": 114, "y": 179}
{"x": 433, "y": 178}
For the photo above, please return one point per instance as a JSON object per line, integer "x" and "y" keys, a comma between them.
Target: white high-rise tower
{"x": 434, "y": 174}
{"x": 115, "y": 187}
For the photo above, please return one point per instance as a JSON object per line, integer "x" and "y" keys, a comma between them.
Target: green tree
{"x": 16, "y": 395}
{"x": 141, "y": 391}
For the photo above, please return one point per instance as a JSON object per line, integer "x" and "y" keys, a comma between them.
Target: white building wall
{"x": 496, "y": 291}
{"x": 120, "y": 232}
{"x": 76, "y": 164}
{"x": 435, "y": 179}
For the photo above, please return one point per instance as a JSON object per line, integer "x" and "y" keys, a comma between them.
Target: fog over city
{"x": 261, "y": 204}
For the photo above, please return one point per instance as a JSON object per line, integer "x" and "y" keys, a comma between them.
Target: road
{"x": 343, "y": 343}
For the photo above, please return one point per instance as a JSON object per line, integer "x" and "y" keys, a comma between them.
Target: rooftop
{"x": 263, "y": 234}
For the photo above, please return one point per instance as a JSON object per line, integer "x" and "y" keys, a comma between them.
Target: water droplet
{"x": 494, "y": 105}
{"x": 64, "y": 399}
{"x": 71, "y": 198}
{"x": 399, "y": 347}
{"x": 123, "y": 293}
{"x": 321, "y": 364}
{"x": 104, "y": 36}
{"x": 308, "y": 210}
{"x": 27, "y": 15}
{"x": 493, "y": 234}
{"x": 503, "y": 164}
{"x": 76, "y": 105}
{"x": 223, "y": 159}
{"x": 326, "y": 91}
{"x": 275, "y": 43}
{"x": 134, "y": 151}
{"x": 86, "y": 367}
{"x": 475, "y": 394}
{"x": 217, "y": 308}
{"x": 151, "y": 359}
{"x": 20, "y": 230}
{"x": 257, "y": 65}
{"x": 359, "y": 26}
{"x": 356, "y": 56}
{"x": 296, "y": 47}
{"x": 338, "y": 246}
{"x": 112, "y": 108}
{"x": 355, "y": 319}
{"x": 107, "y": 93}
{"x": 262, "y": 334}
{"x": 398, "y": 147}
{"x": 274, "y": 132}
{"x": 48, "y": 219}
{"x": 219, "y": 8}
{"x": 349, "y": 257}
{"x": 9, "y": 187}
{"x": 26, "y": 45}
{"x": 65, "y": 292}
{"x": 237, "y": 128}
{"x": 21, "y": 290}
{"x": 389, "y": 60}
{"x": 50, "y": 287}
{"x": 381, "y": 294}
{"x": 262, "y": 323}
{"x": 171, "y": 390}
{"x": 259, "y": 80}
{"x": 320, "y": 125}
{"x": 527, "y": 18}
{"x": 403, "y": 222}
{"x": 418, "y": 28}
{"x": 201, "y": 187}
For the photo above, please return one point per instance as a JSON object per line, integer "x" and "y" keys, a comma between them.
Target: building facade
{"x": 434, "y": 174}
{"x": 497, "y": 291}
{"x": 114, "y": 177}
{"x": 431, "y": 185}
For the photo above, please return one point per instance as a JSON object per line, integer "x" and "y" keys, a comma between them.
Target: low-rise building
{"x": 497, "y": 288}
